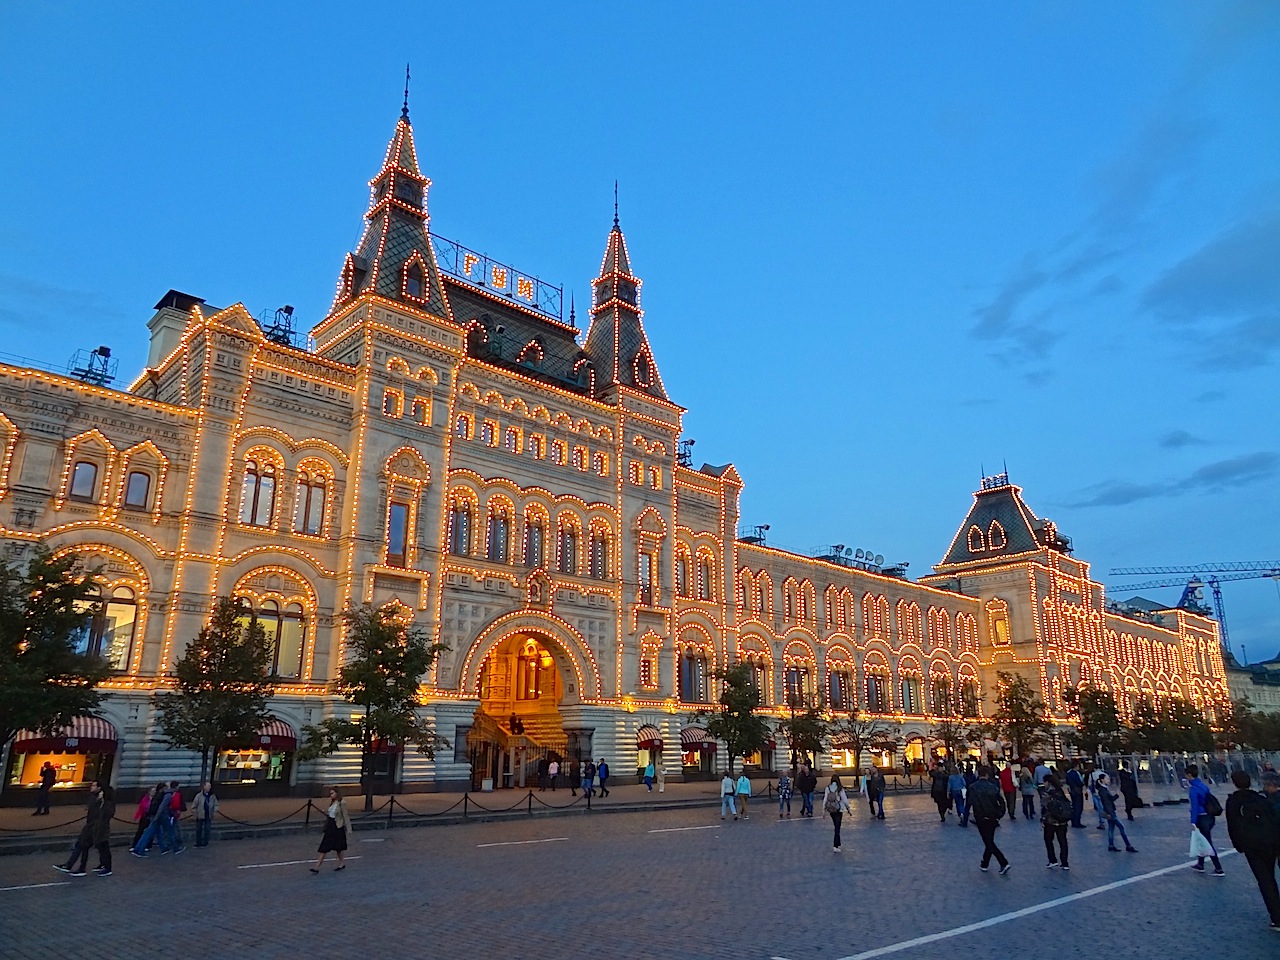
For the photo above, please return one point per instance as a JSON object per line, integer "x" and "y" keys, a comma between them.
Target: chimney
{"x": 167, "y": 325}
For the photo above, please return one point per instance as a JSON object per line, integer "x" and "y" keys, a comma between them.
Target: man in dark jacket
{"x": 1129, "y": 789}
{"x": 987, "y": 807}
{"x": 1075, "y": 786}
{"x": 806, "y": 783}
{"x": 96, "y": 832}
{"x": 48, "y": 777}
{"x": 1254, "y": 829}
{"x": 939, "y": 790}
{"x": 875, "y": 793}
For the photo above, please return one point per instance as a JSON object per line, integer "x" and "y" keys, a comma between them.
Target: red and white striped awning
{"x": 649, "y": 737}
{"x": 277, "y": 736}
{"x": 81, "y": 735}
{"x": 696, "y": 738}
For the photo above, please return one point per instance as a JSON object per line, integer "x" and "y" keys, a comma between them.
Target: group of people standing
{"x": 592, "y": 776}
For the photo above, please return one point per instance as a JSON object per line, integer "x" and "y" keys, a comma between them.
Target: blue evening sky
{"x": 883, "y": 246}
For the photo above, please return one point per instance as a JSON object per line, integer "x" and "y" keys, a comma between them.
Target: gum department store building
{"x": 452, "y": 447}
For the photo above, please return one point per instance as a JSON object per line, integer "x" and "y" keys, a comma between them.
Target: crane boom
{"x": 1182, "y": 581}
{"x": 1217, "y": 575}
{"x": 1228, "y": 567}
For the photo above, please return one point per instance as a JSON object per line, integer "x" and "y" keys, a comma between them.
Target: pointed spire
{"x": 573, "y": 313}
{"x": 404, "y": 111}
{"x": 615, "y": 204}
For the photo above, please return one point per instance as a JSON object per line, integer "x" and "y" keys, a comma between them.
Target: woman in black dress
{"x": 336, "y": 824}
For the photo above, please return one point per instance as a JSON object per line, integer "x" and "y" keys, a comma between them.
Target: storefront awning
{"x": 696, "y": 738}
{"x": 274, "y": 736}
{"x": 649, "y": 737}
{"x": 81, "y": 735}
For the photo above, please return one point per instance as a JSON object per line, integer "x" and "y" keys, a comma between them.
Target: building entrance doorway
{"x": 517, "y": 730}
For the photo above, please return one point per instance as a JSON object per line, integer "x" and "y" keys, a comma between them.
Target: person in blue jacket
{"x": 1201, "y": 818}
{"x": 956, "y": 786}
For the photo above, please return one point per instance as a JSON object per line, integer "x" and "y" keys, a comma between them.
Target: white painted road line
{"x": 1018, "y": 914}
{"x": 713, "y": 826}
{"x": 516, "y": 843}
{"x": 282, "y": 863}
{"x": 375, "y": 840}
{"x": 36, "y": 886}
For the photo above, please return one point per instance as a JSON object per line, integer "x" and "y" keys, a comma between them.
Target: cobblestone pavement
{"x": 660, "y": 884}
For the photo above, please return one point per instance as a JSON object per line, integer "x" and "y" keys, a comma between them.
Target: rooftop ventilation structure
{"x": 93, "y": 366}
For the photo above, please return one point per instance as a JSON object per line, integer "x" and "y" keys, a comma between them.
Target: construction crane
{"x": 1214, "y": 575}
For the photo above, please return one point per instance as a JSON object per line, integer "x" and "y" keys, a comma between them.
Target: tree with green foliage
{"x": 859, "y": 732}
{"x": 222, "y": 684}
{"x": 386, "y": 662}
{"x": 948, "y": 727}
{"x": 1175, "y": 726}
{"x": 1098, "y": 727}
{"x": 1019, "y": 715}
{"x": 806, "y": 732}
{"x": 736, "y": 722}
{"x": 47, "y": 676}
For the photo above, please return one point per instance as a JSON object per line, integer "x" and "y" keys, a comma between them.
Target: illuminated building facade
{"x": 452, "y": 446}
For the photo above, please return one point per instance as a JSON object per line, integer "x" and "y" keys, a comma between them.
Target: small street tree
{"x": 1247, "y": 727}
{"x": 1098, "y": 727}
{"x": 736, "y": 722}
{"x": 805, "y": 731}
{"x": 948, "y": 727}
{"x": 1174, "y": 726}
{"x": 222, "y": 684}
{"x": 1019, "y": 716}
{"x": 47, "y": 678}
{"x": 386, "y": 662}
{"x": 860, "y": 732}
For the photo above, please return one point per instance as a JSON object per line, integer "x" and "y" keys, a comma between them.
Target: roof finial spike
{"x": 573, "y": 315}
{"x": 404, "y": 110}
{"x": 615, "y": 203}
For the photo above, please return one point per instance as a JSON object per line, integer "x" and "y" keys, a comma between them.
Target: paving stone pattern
{"x": 753, "y": 889}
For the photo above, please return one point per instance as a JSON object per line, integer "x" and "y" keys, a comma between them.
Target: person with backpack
{"x": 957, "y": 788}
{"x": 835, "y": 803}
{"x": 1055, "y": 817}
{"x": 1254, "y": 829}
{"x": 1205, "y": 810}
{"x": 1107, "y": 801}
{"x": 158, "y": 829}
{"x": 875, "y": 792}
{"x": 987, "y": 807}
{"x": 938, "y": 791}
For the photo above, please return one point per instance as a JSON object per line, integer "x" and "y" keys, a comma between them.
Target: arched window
{"x": 84, "y": 481}
{"x": 969, "y": 697}
{"x": 534, "y": 672}
{"x": 599, "y": 559}
{"x": 840, "y": 688}
{"x": 511, "y": 440}
{"x": 911, "y": 702}
{"x": 940, "y": 694}
{"x": 762, "y": 597}
{"x": 137, "y": 489}
{"x": 415, "y": 281}
{"x": 760, "y": 669}
{"x": 559, "y": 452}
{"x": 600, "y": 464}
{"x": 877, "y": 693}
{"x": 308, "y": 507}
{"x": 799, "y": 684}
{"x": 460, "y": 528}
{"x": 535, "y": 533}
{"x": 536, "y": 447}
{"x": 488, "y": 433}
{"x": 706, "y": 577}
{"x": 499, "y": 534}
{"x": 682, "y": 574}
{"x": 397, "y": 533}
{"x": 462, "y": 427}
{"x": 580, "y": 457}
{"x": 285, "y": 629}
{"x": 568, "y": 548}
{"x": 258, "y": 494}
{"x": 693, "y": 676}
{"x": 110, "y": 629}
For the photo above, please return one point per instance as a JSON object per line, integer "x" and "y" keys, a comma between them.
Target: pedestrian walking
{"x": 544, "y": 772}
{"x": 835, "y": 803}
{"x": 337, "y": 823}
{"x": 553, "y": 773}
{"x": 204, "y": 807}
{"x": 1271, "y": 789}
{"x": 728, "y": 787}
{"x": 875, "y": 793}
{"x": 589, "y": 778}
{"x": 660, "y": 774}
{"x": 48, "y": 777}
{"x": 158, "y": 828}
{"x": 648, "y": 777}
{"x": 1254, "y": 829}
{"x": 142, "y": 813}
{"x": 806, "y": 784}
{"x": 602, "y": 772}
{"x": 1129, "y": 790}
{"x": 177, "y": 807}
{"x": 1075, "y": 785}
{"x": 988, "y": 809}
{"x": 744, "y": 794}
{"x": 1205, "y": 809}
{"x": 1042, "y": 772}
{"x": 1107, "y": 800}
{"x": 1027, "y": 787}
{"x": 1009, "y": 790}
{"x": 575, "y": 776}
{"x": 1055, "y": 818}
{"x": 784, "y": 795}
{"x": 1095, "y": 793}
{"x": 956, "y": 787}
{"x": 96, "y": 832}
{"x": 939, "y": 790}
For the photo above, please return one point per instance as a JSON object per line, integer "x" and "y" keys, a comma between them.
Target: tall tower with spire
{"x": 616, "y": 339}
{"x": 394, "y": 259}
